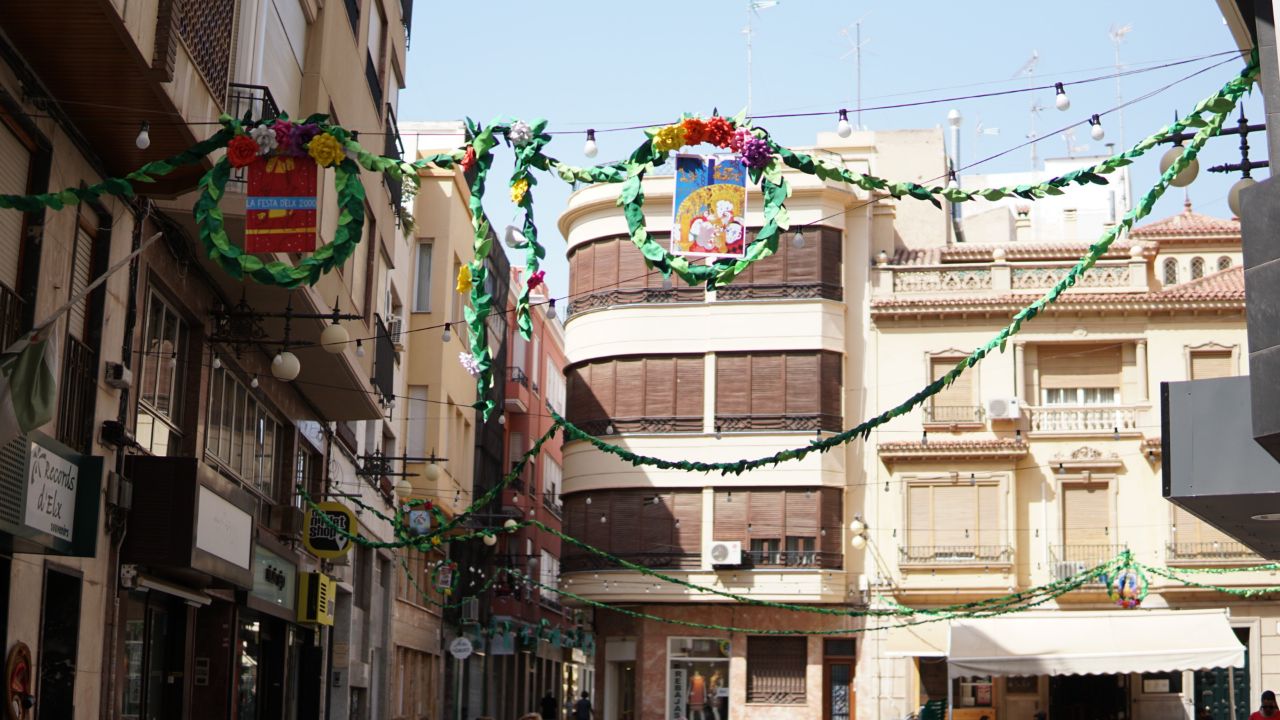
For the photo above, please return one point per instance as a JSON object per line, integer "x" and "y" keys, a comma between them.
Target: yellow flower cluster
{"x": 326, "y": 150}
{"x": 518, "y": 189}
{"x": 464, "y": 279}
{"x": 669, "y": 138}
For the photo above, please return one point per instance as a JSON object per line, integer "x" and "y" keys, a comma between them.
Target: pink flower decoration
{"x": 469, "y": 364}
{"x": 536, "y": 279}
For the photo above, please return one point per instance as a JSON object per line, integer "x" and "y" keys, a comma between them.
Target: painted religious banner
{"x": 710, "y": 206}
{"x": 280, "y": 206}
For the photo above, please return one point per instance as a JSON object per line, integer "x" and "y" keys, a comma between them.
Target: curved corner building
{"x": 768, "y": 363}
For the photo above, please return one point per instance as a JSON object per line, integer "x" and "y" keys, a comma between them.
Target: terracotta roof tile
{"x": 1189, "y": 225}
{"x": 988, "y": 447}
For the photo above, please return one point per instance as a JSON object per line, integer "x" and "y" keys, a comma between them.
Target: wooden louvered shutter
{"x": 832, "y": 258}
{"x": 585, "y": 270}
{"x": 832, "y": 384}
{"x": 733, "y": 384}
{"x": 955, "y": 515}
{"x": 773, "y": 269}
{"x": 597, "y": 533}
{"x": 990, "y": 525}
{"x": 575, "y": 521}
{"x": 631, "y": 267}
{"x": 625, "y": 522}
{"x": 14, "y": 170}
{"x": 730, "y": 515}
{"x": 802, "y": 513}
{"x": 765, "y": 516}
{"x": 606, "y": 265}
{"x": 602, "y": 388}
{"x": 629, "y": 400}
{"x": 689, "y": 378}
{"x": 768, "y": 386}
{"x": 802, "y": 390}
{"x": 1207, "y": 364}
{"x": 1079, "y": 366}
{"x": 958, "y": 394}
{"x": 660, "y": 387}
{"x": 748, "y": 275}
{"x": 81, "y": 275}
{"x": 832, "y": 513}
{"x": 1086, "y": 514}
{"x": 802, "y": 262}
{"x": 1189, "y": 530}
{"x": 919, "y": 515}
{"x": 577, "y": 394}
{"x": 688, "y": 515}
{"x": 657, "y": 523}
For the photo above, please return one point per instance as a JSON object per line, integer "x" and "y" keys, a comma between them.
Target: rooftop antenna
{"x": 1034, "y": 135}
{"x": 1117, "y": 34}
{"x": 1029, "y": 67}
{"x": 753, "y": 8}
{"x": 855, "y": 49}
{"x": 1069, "y": 136}
{"x": 979, "y": 130}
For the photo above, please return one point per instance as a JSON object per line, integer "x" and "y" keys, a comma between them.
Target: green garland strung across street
{"x": 1175, "y": 575}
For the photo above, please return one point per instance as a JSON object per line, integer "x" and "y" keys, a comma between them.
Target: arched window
{"x": 1224, "y": 263}
{"x": 1197, "y": 268}
{"x": 1171, "y": 271}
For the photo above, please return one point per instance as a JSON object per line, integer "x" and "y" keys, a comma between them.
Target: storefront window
{"x": 973, "y": 692}
{"x": 250, "y": 659}
{"x": 154, "y": 641}
{"x": 698, "y": 679}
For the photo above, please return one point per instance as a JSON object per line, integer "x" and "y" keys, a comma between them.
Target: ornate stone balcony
{"x": 1084, "y": 419}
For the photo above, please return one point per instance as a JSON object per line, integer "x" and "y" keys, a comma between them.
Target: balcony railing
{"x": 669, "y": 423}
{"x": 254, "y": 102}
{"x": 955, "y": 555}
{"x": 1069, "y": 560}
{"x": 384, "y": 361}
{"x": 10, "y": 316}
{"x": 1210, "y": 553}
{"x": 518, "y": 376}
{"x": 375, "y": 82}
{"x": 578, "y": 562}
{"x": 787, "y": 422}
{"x": 1083, "y": 419}
{"x": 77, "y": 395}
{"x": 783, "y": 291}
{"x": 551, "y": 501}
{"x": 394, "y": 147}
{"x": 634, "y": 296}
{"x": 547, "y": 599}
{"x": 406, "y": 19}
{"x": 953, "y": 414}
{"x": 792, "y": 559}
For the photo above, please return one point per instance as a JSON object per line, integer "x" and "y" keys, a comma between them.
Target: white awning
{"x": 1093, "y": 643}
{"x": 920, "y": 640}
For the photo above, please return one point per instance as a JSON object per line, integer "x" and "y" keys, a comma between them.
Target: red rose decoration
{"x": 536, "y": 279}
{"x": 428, "y": 505}
{"x": 469, "y": 159}
{"x": 717, "y": 131}
{"x": 242, "y": 151}
{"x": 695, "y": 131}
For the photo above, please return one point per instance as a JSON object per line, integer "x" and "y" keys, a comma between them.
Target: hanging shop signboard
{"x": 461, "y": 648}
{"x": 273, "y": 578}
{"x": 329, "y": 539}
{"x": 316, "y": 598}
{"x": 710, "y": 207}
{"x": 280, "y": 205}
{"x": 51, "y": 494}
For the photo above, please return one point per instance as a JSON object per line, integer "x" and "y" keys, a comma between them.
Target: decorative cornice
{"x": 990, "y": 449}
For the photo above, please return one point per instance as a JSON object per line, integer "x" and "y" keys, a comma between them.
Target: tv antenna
{"x": 855, "y": 49}
{"x": 753, "y": 9}
{"x": 1034, "y": 135}
{"x": 1029, "y": 67}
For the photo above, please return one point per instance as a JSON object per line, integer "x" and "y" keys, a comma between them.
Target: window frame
{"x": 769, "y": 653}
{"x": 265, "y": 485}
{"x": 422, "y": 304}
{"x": 1169, "y": 271}
{"x": 172, "y": 419}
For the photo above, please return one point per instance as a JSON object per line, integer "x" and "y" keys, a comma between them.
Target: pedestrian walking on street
{"x": 1268, "y": 709}
{"x": 549, "y": 706}
{"x": 582, "y": 709}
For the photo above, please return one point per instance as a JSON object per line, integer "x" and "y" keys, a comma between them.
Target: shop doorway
{"x": 59, "y": 637}
{"x": 1089, "y": 697}
{"x": 154, "y": 633}
{"x": 625, "y": 707}
{"x": 1213, "y": 689}
{"x": 838, "y": 659}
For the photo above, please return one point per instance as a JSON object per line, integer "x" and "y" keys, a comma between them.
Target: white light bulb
{"x": 953, "y": 183}
{"x": 490, "y": 540}
{"x": 858, "y": 542}
{"x": 1062, "y": 102}
{"x": 1096, "y": 132}
{"x": 217, "y": 363}
{"x": 551, "y": 308}
{"x": 446, "y": 335}
{"x": 798, "y": 239}
{"x": 143, "y": 140}
{"x": 254, "y": 382}
{"x": 285, "y": 366}
{"x": 359, "y": 348}
{"x": 589, "y": 148}
{"x": 502, "y": 419}
{"x": 433, "y": 472}
{"x": 857, "y": 526}
{"x": 1233, "y": 196}
{"x": 843, "y": 128}
{"x": 1188, "y": 174}
{"x": 509, "y": 524}
{"x": 334, "y": 338}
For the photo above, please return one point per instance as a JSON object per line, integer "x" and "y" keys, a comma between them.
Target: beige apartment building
{"x": 1040, "y": 463}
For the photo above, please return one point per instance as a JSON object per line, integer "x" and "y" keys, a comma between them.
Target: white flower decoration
{"x": 266, "y": 138}
{"x": 520, "y": 133}
{"x": 469, "y": 363}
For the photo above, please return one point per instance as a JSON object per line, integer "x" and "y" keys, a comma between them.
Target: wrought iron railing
{"x": 669, "y": 423}
{"x": 551, "y": 501}
{"x": 394, "y": 147}
{"x": 254, "y": 102}
{"x": 375, "y": 81}
{"x": 518, "y": 376}
{"x": 784, "y": 422}
{"x": 953, "y": 413}
{"x": 792, "y": 559}
{"x": 384, "y": 361}
{"x": 10, "y": 316}
{"x": 784, "y": 291}
{"x": 955, "y": 555}
{"x": 634, "y": 296}
{"x": 77, "y": 394}
{"x": 406, "y": 19}
{"x": 1069, "y": 560}
{"x": 1209, "y": 553}
{"x": 580, "y": 561}
{"x": 547, "y": 599}
{"x": 1082, "y": 419}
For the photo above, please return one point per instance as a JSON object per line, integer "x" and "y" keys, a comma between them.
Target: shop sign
{"x": 274, "y": 578}
{"x": 503, "y": 644}
{"x": 51, "y": 493}
{"x": 329, "y": 540}
{"x": 677, "y": 693}
{"x": 316, "y": 598}
{"x": 461, "y": 648}
{"x": 223, "y": 530}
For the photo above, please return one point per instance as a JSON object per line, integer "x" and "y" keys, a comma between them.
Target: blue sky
{"x": 593, "y": 64}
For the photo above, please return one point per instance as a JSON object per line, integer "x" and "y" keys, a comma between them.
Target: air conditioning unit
{"x": 394, "y": 325}
{"x": 118, "y": 376}
{"x": 1004, "y": 408}
{"x": 1068, "y": 568}
{"x": 471, "y": 611}
{"x": 725, "y": 552}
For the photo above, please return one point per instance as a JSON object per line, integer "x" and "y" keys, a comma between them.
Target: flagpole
{"x": 53, "y": 316}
